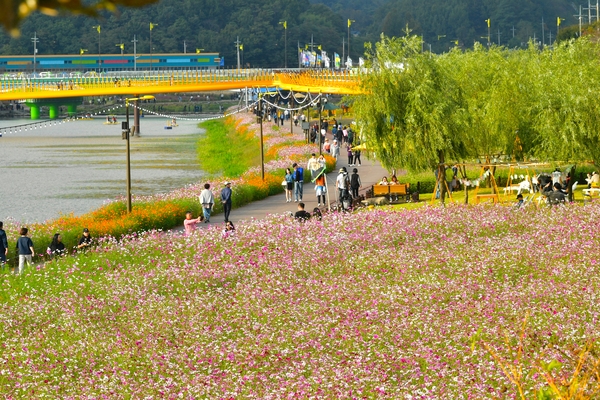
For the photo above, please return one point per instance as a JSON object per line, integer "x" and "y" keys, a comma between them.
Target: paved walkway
{"x": 370, "y": 173}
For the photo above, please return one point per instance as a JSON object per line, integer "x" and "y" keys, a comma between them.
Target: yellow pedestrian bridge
{"x": 56, "y": 91}
{"x": 345, "y": 82}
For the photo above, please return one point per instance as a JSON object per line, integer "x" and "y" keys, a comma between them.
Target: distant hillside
{"x": 214, "y": 25}
{"x": 442, "y": 22}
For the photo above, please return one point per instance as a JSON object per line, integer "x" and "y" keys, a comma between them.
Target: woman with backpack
{"x": 355, "y": 183}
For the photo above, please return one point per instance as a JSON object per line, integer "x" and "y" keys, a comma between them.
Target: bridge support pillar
{"x": 34, "y": 111}
{"x": 72, "y": 109}
{"x": 53, "y": 111}
{"x": 136, "y": 118}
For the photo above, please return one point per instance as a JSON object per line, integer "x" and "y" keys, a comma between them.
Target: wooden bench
{"x": 397, "y": 190}
{"x": 486, "y": 196}
{"x": 381, "y": 190}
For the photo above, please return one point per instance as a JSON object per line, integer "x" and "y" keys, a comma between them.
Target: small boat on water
{"x": 111, "y": 123}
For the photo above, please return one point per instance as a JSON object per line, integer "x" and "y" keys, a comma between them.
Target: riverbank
{"x": 167, "y": 210}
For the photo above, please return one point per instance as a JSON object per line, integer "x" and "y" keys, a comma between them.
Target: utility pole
{"x": 151, "y": 27}
{"x": 35, "y": 40}
{"x": 350, "y": 21}
{"x": 237, "y": 46}
{"x": 543, "y": 40}
{"x": 499, "y": 37}
{"x": 184, "y": 48}
{"x": 134, "y": 41}
{"x": 550, "y": 37}
{"x": 343, "y": 49}
{"x": 580, "y": 16}
{"x": 513, "y": 31}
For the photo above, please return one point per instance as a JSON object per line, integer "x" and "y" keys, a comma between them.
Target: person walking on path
{"x": 25, "y": 249}
{"x": 226, "y": 200}
{"x": 335, "y": 149}
{"x": 289, "y": 182}
{"x": 189, "y": 223}
{"x": 350, "y": 155}
{"x": 320, "y": 189}
{"x": 342, "y": 183}
{"x": 3, "y": 245}
{"x": 298, "y": 182}
{"x": 207, "y": 200}
{"x": 356, "y": 158}
{"x": 355, "y": 183}
{"x": 313, "y": 165}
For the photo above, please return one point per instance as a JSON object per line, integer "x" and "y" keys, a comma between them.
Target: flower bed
{"x": 369, "y": 305}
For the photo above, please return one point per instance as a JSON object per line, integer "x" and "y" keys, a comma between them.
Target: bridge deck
{"x": 184, "y": 81}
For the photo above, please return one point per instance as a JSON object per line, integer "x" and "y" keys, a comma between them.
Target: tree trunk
{"x": 463, "y": 172}
{"x": 442, "y": 177}
{"x": 571, "y": 197}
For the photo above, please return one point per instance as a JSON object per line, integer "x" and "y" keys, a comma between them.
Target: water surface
{"x": 77, "y": 166}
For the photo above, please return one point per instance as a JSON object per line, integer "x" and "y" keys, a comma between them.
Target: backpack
{"x": 354, "y": 181}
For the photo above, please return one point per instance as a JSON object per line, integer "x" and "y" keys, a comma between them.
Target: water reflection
{"x": 77, "y": 166}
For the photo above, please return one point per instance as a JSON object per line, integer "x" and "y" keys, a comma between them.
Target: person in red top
{"x": 190, "y": 224}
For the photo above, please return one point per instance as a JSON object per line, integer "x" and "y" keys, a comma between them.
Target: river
{"x": 75, "y": 167}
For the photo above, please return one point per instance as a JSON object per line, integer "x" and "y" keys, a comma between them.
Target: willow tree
{"x": 411, "y": 114}
{"x": 567, "y": 112}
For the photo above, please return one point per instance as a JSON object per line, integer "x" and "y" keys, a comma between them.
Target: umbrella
{"x": 362, "y": 146}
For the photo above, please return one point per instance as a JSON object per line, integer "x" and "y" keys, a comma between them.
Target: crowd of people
{"x": 25, "y": 248}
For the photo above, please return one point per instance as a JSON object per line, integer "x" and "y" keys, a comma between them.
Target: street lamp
{"x": 98, "y": 29}
{"x": 121, "y": 46}
{"x": 350, "y": 21}
{"x": 151, "y": 27}
{"x": 81, "y": 51}
{"x": 322, "y": 100}
{"x": 262, "y": 151}
{"x": 284, "y": 23}
{"x": 125, "y": 135}
{"x": 198, "y": 51}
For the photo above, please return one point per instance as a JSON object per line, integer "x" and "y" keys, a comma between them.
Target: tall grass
{"x": 226, "y": 149}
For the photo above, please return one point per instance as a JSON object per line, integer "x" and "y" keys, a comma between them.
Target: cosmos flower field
{"x": 375, "y": 304}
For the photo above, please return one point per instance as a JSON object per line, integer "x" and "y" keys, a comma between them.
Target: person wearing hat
{"x": 335, "y": 149}
{"x": 85, "y": 240}
{"x": 226, "y": 200}
{"x": 342, "y": 183}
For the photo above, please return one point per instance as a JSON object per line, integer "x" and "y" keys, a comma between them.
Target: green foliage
{"x": 223, "y": 151}
{"x": 419, "y": 109}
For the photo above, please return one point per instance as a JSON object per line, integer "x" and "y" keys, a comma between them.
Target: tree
{"x": 412, "y": 113}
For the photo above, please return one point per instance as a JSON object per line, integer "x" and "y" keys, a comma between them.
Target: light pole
{"x": 81, "y": 51}
{"x": 489, "y": 22}
{"x": 122, "y": 47}
{"x": 262, "y": 151}
{"x": 151, "y": 27}
{"x": 125, "y": 135}
{"x": 350, "y": 21}
{"x": 321, "y": 105}
{"x": 134, "y": 41}
{"x": 284, "y": 23}
{"x": 98, "y": 29}
{"x": 35, "y": 41}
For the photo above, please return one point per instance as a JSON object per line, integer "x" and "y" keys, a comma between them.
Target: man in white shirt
{"x": 207, "y": 200}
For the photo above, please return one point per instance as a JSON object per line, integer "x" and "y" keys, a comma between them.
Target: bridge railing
{"x": 82, "y": 86}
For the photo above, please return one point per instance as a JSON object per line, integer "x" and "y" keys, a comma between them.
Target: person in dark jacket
{"x": 301, "y": 215}
{"x": 25, "y": 250}
{"x": 86, "y": 240}
{"x": 3, "y": 245}
{"x": 57, "y": 247}
{"x": 226, "y": 200}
